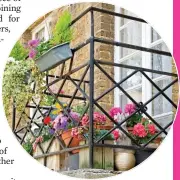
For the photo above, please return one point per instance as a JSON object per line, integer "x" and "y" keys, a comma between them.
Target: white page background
{"x": 158, "y": 167}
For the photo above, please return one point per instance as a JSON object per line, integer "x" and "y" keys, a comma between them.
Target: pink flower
{"x": 32, "y": 53}
{"x": 38, "y": 140}
{"x": 130, "y": 108}
{"x": 151, "y": 129}
{"x": 74, "y": 132}
{"x": 99, "y": 118}
{"x": 116, "y": 134}
{"x": 114, "y": 111}
{"x": 139, "y": 130}
{"x": 85, "y": 120}
{"x": 33, "y": 43}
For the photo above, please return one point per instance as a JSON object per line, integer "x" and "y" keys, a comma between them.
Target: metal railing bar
{"x": 110, "y": 89}
{"x": 69, "y": 73}
{"x": 79, "y": 84}
{"x": 60, "y": 152}
{"x": 130, "y": 46}
{"x": 124, "y": 147}
{"x": 151, "y": 81}
{"x": 135, "y": 68}
{"x": 67, "y": 96}
{"x": 74, "y": 79}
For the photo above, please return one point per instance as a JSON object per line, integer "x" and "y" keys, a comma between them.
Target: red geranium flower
{"x": 139, "y": 130}
{"x": 151, "y": 129}
{"x": 47, "y": 120}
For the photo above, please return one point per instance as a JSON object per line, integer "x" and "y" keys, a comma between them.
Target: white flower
{"x": 10, "y": 59}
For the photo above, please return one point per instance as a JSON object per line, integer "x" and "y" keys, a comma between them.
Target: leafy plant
{"x": 62, "y": 32}
{"x": 80, "y": 109}
{"x": 28, "y": 146}
{"x": 19, "y": 52}
{"x": 42, "y": 48}
{"x": 136, "y": 118}
{"x": 16, "y": 88}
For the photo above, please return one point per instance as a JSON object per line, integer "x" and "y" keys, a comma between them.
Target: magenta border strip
{"x": 176, "y": 126}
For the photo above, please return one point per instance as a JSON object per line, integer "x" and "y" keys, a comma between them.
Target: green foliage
{"x": 15, "y": 87}
{"x": 47, "y": 100}
{"x": 62, "y": 32}
{"x": 136, "y": 118}
{"x": 19, "y": 52}
{"x": 100, "y": 133}
{"x": 80, "y": 109}
{"x": 28, "y": 146}
{"x": 43, "y": 47}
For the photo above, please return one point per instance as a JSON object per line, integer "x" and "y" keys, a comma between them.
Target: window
{"x": 141, "y": 34}
{"x": 41, "y": 35}
{"x": 44, "y": 30}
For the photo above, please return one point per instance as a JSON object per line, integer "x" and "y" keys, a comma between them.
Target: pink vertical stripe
{"x": 176, "y": 54}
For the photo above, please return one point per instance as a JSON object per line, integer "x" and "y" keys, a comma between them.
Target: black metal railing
{"x": 89, "y": 97}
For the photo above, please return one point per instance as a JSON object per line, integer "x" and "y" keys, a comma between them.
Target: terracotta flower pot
{"x": 66, "y": 137}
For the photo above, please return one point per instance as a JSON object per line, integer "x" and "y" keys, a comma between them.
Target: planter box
{"x": 55, "y": 162}
{"x": 103, "y": 157}
{"x": 54, "y": 57}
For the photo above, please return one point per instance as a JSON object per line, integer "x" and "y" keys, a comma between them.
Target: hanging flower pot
{"x": 54, "y": 57}
{"x": 66, "y": 137}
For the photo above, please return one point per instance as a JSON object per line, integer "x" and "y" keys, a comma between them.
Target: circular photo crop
{"x": 90, "y": 90}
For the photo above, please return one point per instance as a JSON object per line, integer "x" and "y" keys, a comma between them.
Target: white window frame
{"x": 44, "y": 24}
{"x": 146, "y": 85}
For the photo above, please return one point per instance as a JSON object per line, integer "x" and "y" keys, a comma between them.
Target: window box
{"x": 54, "y": 57}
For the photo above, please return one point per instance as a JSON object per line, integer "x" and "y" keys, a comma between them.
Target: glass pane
{"x": 136, "y": 94}
{"x": 161, "y": 104}
{"x": 136, "y": 78}
{"x": 164, "y": 120}
{"x": 41, "y": 34}
{"x": 159, "y": 62}
{"x": 154, "y": 35}
{"x": 132, "y": 34}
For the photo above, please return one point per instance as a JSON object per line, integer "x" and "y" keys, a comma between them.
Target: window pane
{"x": 136, "y": 78}
{"x": 136, "y": 94}
{"x": 154, "y": 35}
{"x": 160, "y": 104}
{"x": 159, "y": 62}
{"x": 132, "y": 34}
{"x": 41, "y": 34}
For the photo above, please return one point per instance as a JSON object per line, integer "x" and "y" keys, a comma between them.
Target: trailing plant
{"x": 15, "y": 86}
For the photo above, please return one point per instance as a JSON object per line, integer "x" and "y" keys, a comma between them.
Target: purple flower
{"x": 60, "y": 122}
{"x": 51, "y": 131}
{"x": 32, "y": 53}
{"x": 75, "y": 116}
{"x": 33, "y": 43}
